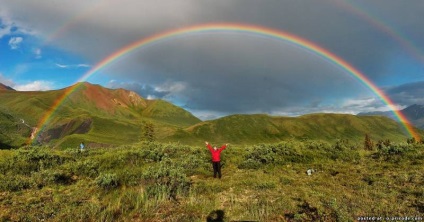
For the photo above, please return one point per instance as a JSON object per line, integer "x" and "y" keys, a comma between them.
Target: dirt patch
{"x": 74, "y": 126}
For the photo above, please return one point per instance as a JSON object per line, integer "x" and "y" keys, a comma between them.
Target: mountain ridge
{"x": 245, "y": 128}
{"x": 99, "y": 115}
{"x": 414, "y": 113}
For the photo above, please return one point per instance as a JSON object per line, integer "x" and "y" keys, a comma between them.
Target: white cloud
{"x": 64, "y": 66}
{"x": 360, "y": 102}
{"x": 38, "y": 85}
{"x": 14, "y": 42}
{"x": 171, "y": 87}
{"x": 368, "y": 105}
{"x": 151, "y": 97}
{"x": 83, "y": 65}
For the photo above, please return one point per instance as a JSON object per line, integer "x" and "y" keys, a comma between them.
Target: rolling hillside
{"x": 242, "y": 129}
{"x": 104, "y": 117}
{"x": 13, "y": 131}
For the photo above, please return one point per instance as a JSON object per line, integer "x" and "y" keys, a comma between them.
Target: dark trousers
{"x": 216, "y": 168}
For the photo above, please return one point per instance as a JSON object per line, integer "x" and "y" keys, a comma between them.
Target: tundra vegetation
{"x": 151, "y": 181}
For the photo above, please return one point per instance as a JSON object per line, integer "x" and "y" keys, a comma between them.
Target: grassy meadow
{"x": 150, "y": 181}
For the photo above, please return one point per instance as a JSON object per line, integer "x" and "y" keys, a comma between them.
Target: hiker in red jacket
{"x": 216, "y": 159}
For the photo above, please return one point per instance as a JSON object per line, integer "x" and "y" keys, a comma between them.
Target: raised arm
{"x": 223, "y": 146}
{"x": 208, "y": 145}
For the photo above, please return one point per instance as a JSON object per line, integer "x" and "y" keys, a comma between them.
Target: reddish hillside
{"x": 108, "y": 99}
{"x": 4, "y": 87}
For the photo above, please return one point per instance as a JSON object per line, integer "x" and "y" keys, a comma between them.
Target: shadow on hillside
{"x": 216, "y": 216}
{"x": 219, "y": 215}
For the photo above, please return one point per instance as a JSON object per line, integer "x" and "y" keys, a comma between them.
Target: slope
{"x": 13, "y": 131}
{"x": 4, "y": 87}
{"x": 243, "y": 129}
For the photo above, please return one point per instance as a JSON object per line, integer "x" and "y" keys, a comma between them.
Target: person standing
{"x": 82, "y": 146}
{"x": 216, "y": 158}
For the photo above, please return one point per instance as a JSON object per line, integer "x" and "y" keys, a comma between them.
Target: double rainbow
{"x": 238, "y": 28}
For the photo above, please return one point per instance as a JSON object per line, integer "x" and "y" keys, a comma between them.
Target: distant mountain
{"x": 101, "y": 117}
{"x": 4, "y": 87}
{"x": 414, "y": 113}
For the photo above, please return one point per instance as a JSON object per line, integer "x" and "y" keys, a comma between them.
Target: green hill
{"x": 242, "y": 129}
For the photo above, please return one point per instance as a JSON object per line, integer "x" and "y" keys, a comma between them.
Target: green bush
{"x": 35, "y": 159}
{"x": 166, "y": 180}
{"x": 130, "y": 177}
{"x": 249, "y": 164}
{"x": 14, "y": 183}
{"x": 280, "y": 153}
{"x": 107, "y": 180}
{"x": 89, "y": 168}
{"x": 393, "y": 151}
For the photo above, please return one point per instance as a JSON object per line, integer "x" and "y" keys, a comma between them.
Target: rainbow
{"x": 361, "y": 12}
{"x": 237, "y": 28}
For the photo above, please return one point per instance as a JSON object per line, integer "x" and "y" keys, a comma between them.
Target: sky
{"x": 51, "y": 44}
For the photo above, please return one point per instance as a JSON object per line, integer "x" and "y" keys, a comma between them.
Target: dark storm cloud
{"x": 229, "y": 77}
{"x": 233, "y": 72}
{"x": 407, "y": 94}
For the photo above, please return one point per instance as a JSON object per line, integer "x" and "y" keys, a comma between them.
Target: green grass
{"x": 173, "y": 182}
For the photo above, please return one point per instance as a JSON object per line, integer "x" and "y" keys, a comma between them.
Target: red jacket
{"x": 216, "y": 154}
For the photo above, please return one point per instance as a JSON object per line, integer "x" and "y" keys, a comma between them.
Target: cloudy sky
{"x": 51, "y": 44}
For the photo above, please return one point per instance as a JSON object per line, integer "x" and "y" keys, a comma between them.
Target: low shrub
{"x": 89, "y": 168}
{"x": 35, "y": 159}
{"x": 280, "y": 153}
{"x": 107, "y": 180}
{"x": 249, "y": 164}
{"x": 15, "y": 183}
{"x": 166, "y": 181}
{"x": 393, "y": 151}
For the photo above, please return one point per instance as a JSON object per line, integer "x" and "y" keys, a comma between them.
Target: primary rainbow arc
{"x": 239, "y": 28}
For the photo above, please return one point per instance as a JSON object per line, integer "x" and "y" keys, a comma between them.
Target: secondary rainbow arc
{"x": 239, "y": 28}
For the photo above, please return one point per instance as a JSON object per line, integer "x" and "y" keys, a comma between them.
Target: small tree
{"x": 148, "y": 132}
{"x": 411, "y": 140}
{"x": 368, "y": 144}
